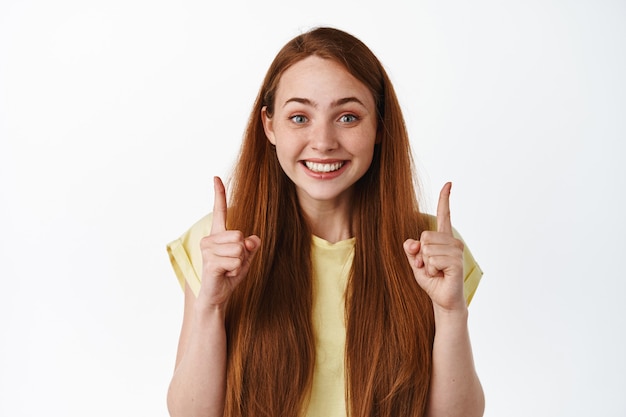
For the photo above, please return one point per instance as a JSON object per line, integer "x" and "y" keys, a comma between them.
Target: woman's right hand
{"x": 226, "y": 255}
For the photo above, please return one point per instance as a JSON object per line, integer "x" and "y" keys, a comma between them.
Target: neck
{"x": 329, "y": 220}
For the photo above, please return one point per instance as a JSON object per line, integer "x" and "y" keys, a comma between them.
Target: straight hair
{"x": 389, "y": 318}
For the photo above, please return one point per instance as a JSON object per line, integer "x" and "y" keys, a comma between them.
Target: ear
{"x": 268, "y": 126}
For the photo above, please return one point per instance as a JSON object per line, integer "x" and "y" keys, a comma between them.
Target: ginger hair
{"x": 389, "y": 318}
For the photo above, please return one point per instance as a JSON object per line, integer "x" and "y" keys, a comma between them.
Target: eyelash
{"x": 301, "y": 119}
{"x": 353, "y": 117}
{"x": 298, "y": 116}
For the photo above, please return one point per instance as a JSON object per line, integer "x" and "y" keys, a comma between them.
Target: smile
{"x": 319, "y": 167}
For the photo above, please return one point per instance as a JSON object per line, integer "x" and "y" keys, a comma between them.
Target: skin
{"x": 437, "y": 263}
{"x": 323, "y": 115}
{"x": 199, "y": 382}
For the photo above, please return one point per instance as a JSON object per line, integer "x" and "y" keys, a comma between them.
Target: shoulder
{"x": 199, "y": 229}
{"x": 431, "y": 220}
{"x": 190, "y": 239}
{"x": 185, "y": 255}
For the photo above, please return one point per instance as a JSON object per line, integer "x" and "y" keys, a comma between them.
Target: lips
{"x": 323, "y": 167}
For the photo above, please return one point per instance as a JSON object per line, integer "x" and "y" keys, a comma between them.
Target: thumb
{"x": 411, "y": 247}
{"x": 252, "y": 244}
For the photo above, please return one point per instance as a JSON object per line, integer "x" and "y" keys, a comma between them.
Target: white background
{"x": 115, "y": 115}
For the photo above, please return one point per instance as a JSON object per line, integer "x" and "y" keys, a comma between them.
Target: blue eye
{"x": 348, "y": 118}
{"x": 298, "y": 119}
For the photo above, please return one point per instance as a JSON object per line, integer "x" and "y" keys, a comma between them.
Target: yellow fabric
{"x": 185, "y": 254}
{"x": 331, "y": 267}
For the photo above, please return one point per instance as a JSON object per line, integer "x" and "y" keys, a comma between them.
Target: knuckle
{"x": 206, "y": 242}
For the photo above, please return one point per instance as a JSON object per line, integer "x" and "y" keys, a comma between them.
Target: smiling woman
{"x": 323, "y": 125}
{"x": 309, "y": 294}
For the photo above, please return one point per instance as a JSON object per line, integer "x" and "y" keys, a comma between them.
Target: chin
{"x": 323, "y": 195}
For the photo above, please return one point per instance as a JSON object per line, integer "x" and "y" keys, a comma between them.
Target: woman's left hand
{"x": 437, "y": 260}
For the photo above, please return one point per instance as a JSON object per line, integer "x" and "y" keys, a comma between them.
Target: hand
{"x": 226, "y": 254}
{"x": 437, "y": 259}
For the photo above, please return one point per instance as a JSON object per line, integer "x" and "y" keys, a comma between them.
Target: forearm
{"x": 198, "y": 385}
{"x": 455, "y": 389}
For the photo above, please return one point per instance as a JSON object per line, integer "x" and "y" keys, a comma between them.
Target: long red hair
{"x": 389, "y": 319}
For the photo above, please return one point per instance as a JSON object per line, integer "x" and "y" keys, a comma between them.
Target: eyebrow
{"x": 335, "y": 103}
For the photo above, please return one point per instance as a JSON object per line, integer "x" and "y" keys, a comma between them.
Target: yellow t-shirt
{"x": 331, "y": 268}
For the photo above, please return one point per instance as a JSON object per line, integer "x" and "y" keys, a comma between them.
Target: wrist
{"x": 451, "y": 315}
{"x": 207, "y": 311}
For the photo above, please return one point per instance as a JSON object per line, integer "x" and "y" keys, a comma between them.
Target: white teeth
{"x": 317, "y": 167}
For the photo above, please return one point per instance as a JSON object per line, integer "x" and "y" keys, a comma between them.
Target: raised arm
{"x": 437, "y": 262}
{"x": 199, "y": 383}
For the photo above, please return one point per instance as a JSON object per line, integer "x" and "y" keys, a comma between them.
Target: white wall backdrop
{"x": 115, "y": 115}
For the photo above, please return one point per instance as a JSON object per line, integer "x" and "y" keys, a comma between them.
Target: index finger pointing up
{"x": 219, "y": 206}
{"x": 444, "y": 224}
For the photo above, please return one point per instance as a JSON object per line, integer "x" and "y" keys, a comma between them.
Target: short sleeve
{"x": 185, "y": 255}
{"x": 471, "y": 270}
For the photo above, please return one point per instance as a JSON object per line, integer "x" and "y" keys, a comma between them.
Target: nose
{"x": 324, "y": 138}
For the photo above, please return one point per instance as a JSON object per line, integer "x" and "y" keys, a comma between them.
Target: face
{"x": 324, "y": 129}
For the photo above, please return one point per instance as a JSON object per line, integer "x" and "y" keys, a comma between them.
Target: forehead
{"x": 315, "y": 77}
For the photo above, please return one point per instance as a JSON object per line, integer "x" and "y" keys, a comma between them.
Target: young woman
{"x": 309, "y": 293}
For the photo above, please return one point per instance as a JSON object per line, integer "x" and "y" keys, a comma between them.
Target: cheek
{"x": 363, "y": 144}
{"x": 285, "y": 154}
{"x": 288, "y": 142}
{"x": 369, "y": 157}
{"x": 364, "y": 149}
